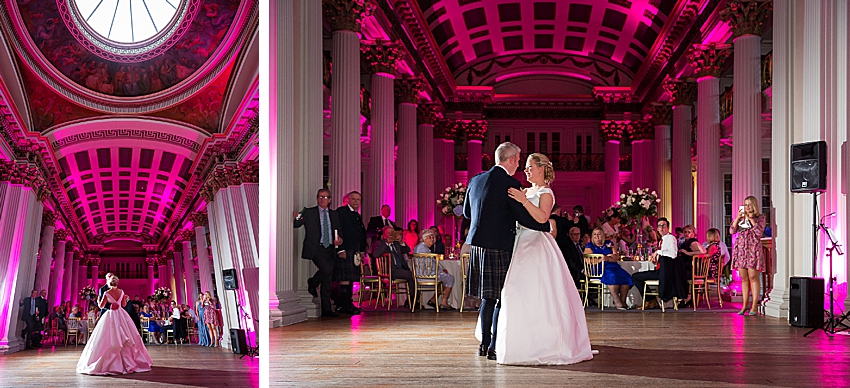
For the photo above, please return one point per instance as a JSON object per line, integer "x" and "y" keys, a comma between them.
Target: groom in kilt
{"x": 492, "y": 229}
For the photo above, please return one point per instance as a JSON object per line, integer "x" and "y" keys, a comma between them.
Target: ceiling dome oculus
{"x": 127, "y": 27}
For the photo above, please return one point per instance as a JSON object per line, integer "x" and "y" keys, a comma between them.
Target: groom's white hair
{"x": 506, "y": 151}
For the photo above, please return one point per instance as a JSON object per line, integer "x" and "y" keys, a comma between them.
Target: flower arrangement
{"x": 451, "y": 200}
{"x": 639, "y": 204}
{"x": 88, "y": 293}
{"x": 611, "y": 211}
{"x": 162, "y": 293}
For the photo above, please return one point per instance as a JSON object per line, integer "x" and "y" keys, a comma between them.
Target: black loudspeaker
{"x": 228, "y": 276}
{"x": 238, "y": 342}
{"x": 808, "y": 167}
{"x": 806, "y": 308}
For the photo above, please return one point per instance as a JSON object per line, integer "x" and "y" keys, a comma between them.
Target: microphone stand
{"x": 831, "y": 322}
{"x": 253, "y": 351}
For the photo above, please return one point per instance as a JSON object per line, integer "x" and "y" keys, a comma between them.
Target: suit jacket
{"x": 574, "y": 258}
{"x": 353, "y": 230}
{"x": 494, "y": 214}
{"x": 312, "y": 223}
{"x": 41, "y": 303}
{"x": 376, "y": 224}
{"x": 25, "y": 310}
{"x": 380, "y": 247}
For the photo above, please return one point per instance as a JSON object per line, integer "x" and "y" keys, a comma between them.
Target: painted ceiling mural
{"x": 204, "y": 109}
{"x": 54, "y": 38}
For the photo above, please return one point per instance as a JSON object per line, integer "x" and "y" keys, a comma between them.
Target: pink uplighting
{"x": 541, "y": 72}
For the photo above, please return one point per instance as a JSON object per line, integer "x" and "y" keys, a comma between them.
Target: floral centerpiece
{"x": 451, "y": 200}
{"x": 639, "y": 204}
{"x": 162, "y": 293}
{"x": 88, "y": 293}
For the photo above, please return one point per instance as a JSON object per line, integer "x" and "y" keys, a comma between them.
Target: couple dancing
{"x": 528, "y": 295}
{"x": 115, "y": 346}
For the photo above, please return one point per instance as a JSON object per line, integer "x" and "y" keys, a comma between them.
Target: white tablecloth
{"x": 455, "y": 297}
{"x": 631, "y": 267}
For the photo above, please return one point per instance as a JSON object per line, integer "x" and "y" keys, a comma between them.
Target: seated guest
{"x": 411, "y": 234}
{"x": 626, "y": 242}
{"x": 175, "y": 325}
{"x": 573, "y": 251}
{"x": 75, "y": 312}
{"x": 689, "y": 248}
{"x": 611, "y": 227}
{"x": 58, "y": 315}
{"x": 153, "y": 326}
{"x": 93, "y": 313}
{"x": 615, "y": 277}
{"x": 438, "y": 246}
{"x": 663, "y": 256}
{"x": 428, "y": 238}
{"x": 391, "y": 243}
{"x": 718, "y": 252}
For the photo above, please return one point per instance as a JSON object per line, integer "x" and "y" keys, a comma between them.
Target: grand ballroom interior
{"x": 697, "y": 100}
{"x": 129, "y": 146}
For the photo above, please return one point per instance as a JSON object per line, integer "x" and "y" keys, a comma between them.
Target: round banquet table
{"x": 631, "y": 267}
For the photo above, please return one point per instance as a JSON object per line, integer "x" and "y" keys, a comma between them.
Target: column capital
{"x": 641, "y": 130}
{"x": 747, "y": 17}
{"x": 381, "y": 55}
{"x": 160, "y": 259}
{"x": 707, "y": 59}
{"x": 61, "y": 235}
{"x": 230, "y": 174}
{"x": 682, "y": 92}
{"x": 407, "y": 90}
{"x": 661, "y": 115}
{"x": 168, "y": 255}
{"x": 69, "y": 245}
{"x": 445, "y": 129}
{"x": 612, "y": 130}
{"x": 346, "y": 14}
{"x": 27, "y": 174}
{"x": 475, "y": 129}
{"x": 152, "y": 260}
{"x": 198, "y": 219}
{"x": 78, "y": 255}
{"x": 93, "y": 259}
{"x": 427, "y": 113}
{"x": 186, "y": 235}
{"x": 48, "y": 218}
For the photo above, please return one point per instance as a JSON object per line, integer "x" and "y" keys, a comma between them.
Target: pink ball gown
{"x": 115, "y": 346}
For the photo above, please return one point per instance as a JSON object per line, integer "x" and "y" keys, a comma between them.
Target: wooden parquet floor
{"x": 184, "y": 365}
{"x": 637, "y": 349}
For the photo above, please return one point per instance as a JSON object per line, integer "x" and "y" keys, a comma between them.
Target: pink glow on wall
{"x": 541, "y": 72}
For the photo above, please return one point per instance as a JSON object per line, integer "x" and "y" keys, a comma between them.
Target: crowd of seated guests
{"x": 427, "y": 239}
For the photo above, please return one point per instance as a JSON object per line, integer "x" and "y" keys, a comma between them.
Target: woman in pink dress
{"x": 747, "y": 254}
{"x": 211, "y": 318}
{"x": 115, "y": 346}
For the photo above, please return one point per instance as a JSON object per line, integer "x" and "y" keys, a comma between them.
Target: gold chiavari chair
{"x": 369, "y": 283}
{"x": 390, "y": 286}
{"x": 716, "y": 281}
{"x": 464, "y": 268}
{"x": 73, "y": 331}
{"x": 146, "y": 333}
{"x": 657, "y": 285}
{"x": 594, "y": 268}
{"x": 699, "y": 279}
{"x": 426, "y": 267}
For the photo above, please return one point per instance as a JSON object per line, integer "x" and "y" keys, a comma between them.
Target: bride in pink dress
{"x": 115, "y": 346}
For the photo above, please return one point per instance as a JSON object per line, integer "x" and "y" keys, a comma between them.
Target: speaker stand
{"x": 831, "y": 322}
{"x": 815, "y": 228}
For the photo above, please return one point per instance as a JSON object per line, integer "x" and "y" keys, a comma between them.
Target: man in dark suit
{"x": 355, "y": 243}
{"x": 33, "y": 312}
{"x": 491, "y": 237}
{"x": 574, "y": 254}
{"x": 393, "y": 244}
{"x": 377, "y": 223}
{"x": 320, "y": 245}
{"x": 577, "y": 219}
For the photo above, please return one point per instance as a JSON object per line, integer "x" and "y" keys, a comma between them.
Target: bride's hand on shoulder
{"x": 517, "y": 195}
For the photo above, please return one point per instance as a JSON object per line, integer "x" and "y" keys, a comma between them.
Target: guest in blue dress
{"x": 615, "y": 277}
{"x": 203, "y": 337}
{"x": 153, "y": 327}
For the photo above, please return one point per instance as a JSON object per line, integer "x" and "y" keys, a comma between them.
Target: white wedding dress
{"x": 541, "y": 321}
{"x": 115, "y": 346}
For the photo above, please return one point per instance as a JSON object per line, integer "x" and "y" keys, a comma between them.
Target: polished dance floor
{"x": 641, "y": 349}
{"x": 183, "y": 365}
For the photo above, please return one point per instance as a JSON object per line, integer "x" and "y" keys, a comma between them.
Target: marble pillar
{"x": 162, "y": 275}
{"x": 476, "y": 132}
{"x": 425, "y": 143}
{"x": 662, "y": 117}
{"x": 451, "y": 133}
{"x": 82, "y": 279}
{"x": 681, "y": 180}
{"x": 169, "y": 274}
{"x": 441, "y": 163}
{"x": 151, "y": 261}
{"x": 612, "y": 134}
{"x": 179, "y": 282}
{"x": 643, "y": 157}
{"x": 199, "y": 220}
{"x": 409, "y": 163}
{"x": 42, "y": 275}
{"x": 382, "y": 57}
{"x": 189, "y": 266}
{"x": 707, "y": 60}
{"x": 60, "y": 276}
{"x": 94, "y": 262}
{"x": 68, "y": 273}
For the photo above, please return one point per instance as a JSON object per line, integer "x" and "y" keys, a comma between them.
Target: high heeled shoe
{"x": 742, "y": 312}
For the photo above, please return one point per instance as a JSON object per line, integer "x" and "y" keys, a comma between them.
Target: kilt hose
{"x": 487, "y": 271}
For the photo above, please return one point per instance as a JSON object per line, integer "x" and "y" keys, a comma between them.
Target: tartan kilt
{"x": 487, "y": 271}
{"x": 345, "y": 269}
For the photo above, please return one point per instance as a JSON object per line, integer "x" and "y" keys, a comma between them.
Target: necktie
{"x": 386, "y": 222}
{"x": 326, "y": 229}
{"x": 32, "y": 306}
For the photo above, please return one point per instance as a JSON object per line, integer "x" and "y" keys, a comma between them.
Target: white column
{"x": 382, "y": 146}
{"x": 476, "y": 131}
{"x": 162, "y": 276}
{"x": 42, "y": 279}
{"x": 95, "y": 268}
{"x": 169, "y": 273}
{"x": 407, "y": 174}
{"x": 204, "y": 261}
{"x": 746, "y": 121}
{"x": 189, "y": 268}
{"x": 612, "y": 133}
{"x": 708, "y": 60}
{"x": 59, "y": 276}
{"x": 449, "y": 174}
{"x": 151, "y": 261}
{"x": 20, "y": 224}
{"x": 661, "y": 119}
{"x": 643, "y": 158}
{"x": 179, "y": 283}
{"x": 441, "y": 164}
{"x": 73, "y": 285}
{"x": 682, "y": 195}
{"x": 82, "y": 280}
{"x": 427, "y": 190}
{"x": 68, "y": 273}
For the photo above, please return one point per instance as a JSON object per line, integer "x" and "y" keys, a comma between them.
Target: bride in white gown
{"x": 541, "y": 321}
{"x": 115, "y": 346}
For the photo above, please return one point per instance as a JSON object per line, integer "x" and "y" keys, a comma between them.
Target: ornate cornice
{"x": 612, "y": 130}
{"x": 427, "y": 113}
{"x": 682, "y": 92}
{"x": 381, "y": 55}
{"x": 160, "y": 259}
{"x": 474, "y": 129}
{"x": 407, "y": 90}
{"x": 186, "y": 235}
{"x": 346, "y": 14}
{"x": 613, "y": 94}
{"x": 230, "y": 174}
{"x": 747, "y": 17}
{"x": 27, "y": 174}
{"x": 662, "y": 115}
{"x": 93, "y": 260}
{"x": 69, "y": 245}
{"x": 168, "y": 255}
{"x": 48, "y": 218}
{"x": 412, "y": 19}
{"x": 442, "y": 130}
{"x": 144, "y": 238}
{"x": 641, "y": 130}
{"x": 152, "y": 260}
{"x": 198, "y": 219}
{"x": 78, "y": 255}
{"x": 707, "y": 59}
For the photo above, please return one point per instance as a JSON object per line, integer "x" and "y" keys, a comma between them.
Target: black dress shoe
{"x": 312, "y": 291}
{"x": 329, "y": 314}
{"x": 491, "y": 354}
{"x": 482, "y": 350}
{"x": 347, "y": 310}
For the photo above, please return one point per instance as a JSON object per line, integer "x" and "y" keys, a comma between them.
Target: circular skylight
{"x": 127, "y": 21}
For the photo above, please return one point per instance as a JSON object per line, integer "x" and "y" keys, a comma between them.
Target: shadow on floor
{"x": 208, "y": 378}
